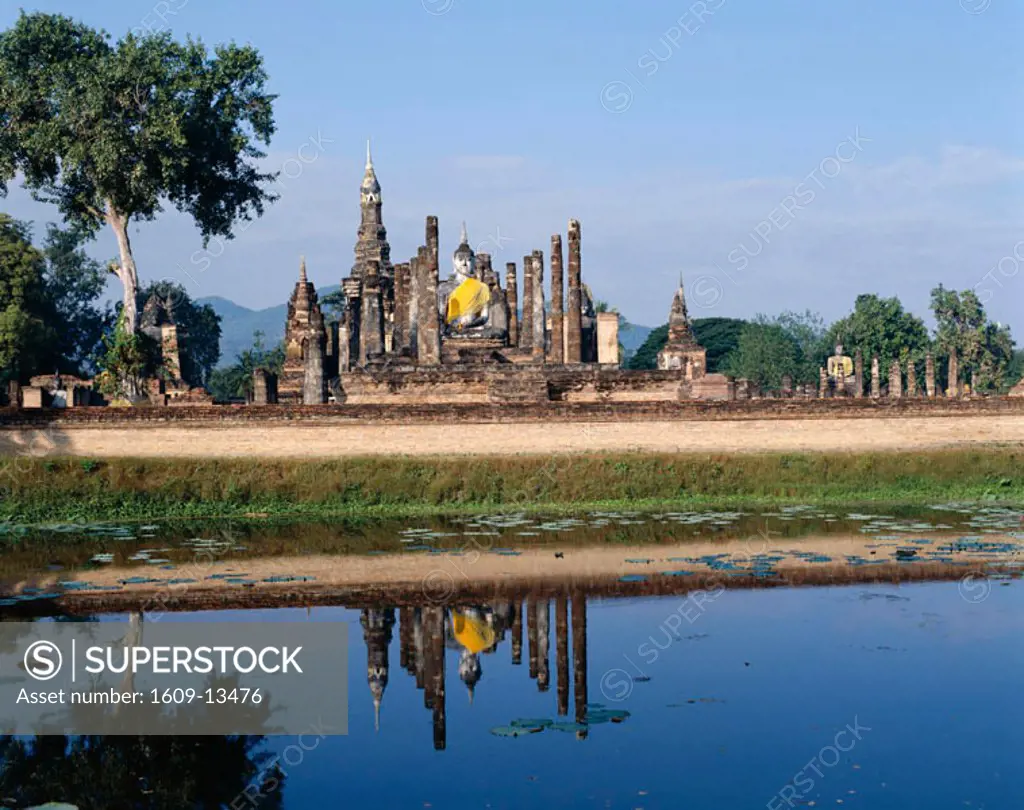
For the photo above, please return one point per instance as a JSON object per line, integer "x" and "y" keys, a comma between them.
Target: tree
{"x": 111, "y": 132}
{"x": 765, "y": 353}
{"x": 26, "y": 339}
{"x": 718, "y": 336}
{"x": 807, "y": 330}
{"x": 236, "y": 381}
{"x": 198, "y": 326}
{"x": 333, "y": 305}
{"x": 983, "y": 348}
{"x": 880, "y": 326}
{"x": 74, "y": 283}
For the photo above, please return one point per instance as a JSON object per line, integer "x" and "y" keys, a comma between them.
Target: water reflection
{"x": 474, "y": 632}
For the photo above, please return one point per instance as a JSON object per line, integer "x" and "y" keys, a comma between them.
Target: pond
{"x": 699, "y": 679}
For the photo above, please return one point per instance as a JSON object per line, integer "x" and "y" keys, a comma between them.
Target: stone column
{"x": 526, "y": 324}
{"x": 371, "y": 333}
{"x": 953, "y": 386}
{"x": 437, "y": 635}
{"x": 400, "y": 329}
{"x": 512, "y": 295}
{"x": 517, "y": 633}
{"x": 14, "y": 394}
{"x": 539, "y": 315}
{"x": 929, "y": 375}
{"x": 557, "y": 353}
{"x": 858, "y": 375}
{"x": 429, "y": 329}
{"x": 876, "y": 380}
{"x": 822, "y": 382}
{"x": 531, "y": 637}
{"x": 259, "y": 387}
{"x": 353, "y": 298}
{"x": 787, "y": 386}
{"x": 412, "y": 336}
{"x": 895, "y": 380}
{"x": 974, "y": 382}
{"x": 314, "y": 385}
{"x": 911, "y": 378}
{"x": 608, "y": 338}
{"x": 573, "y": 311}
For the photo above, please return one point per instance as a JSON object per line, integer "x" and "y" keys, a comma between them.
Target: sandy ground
{"x": 441, "y": 577}
{"x": 319, "y": 441}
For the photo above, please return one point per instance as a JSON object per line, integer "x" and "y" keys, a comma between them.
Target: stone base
{"x": 518, "y": 387}
{"x": 468, "y": 349}
{"x": 716, "y": 387}
{"x": 1018, "y": 389}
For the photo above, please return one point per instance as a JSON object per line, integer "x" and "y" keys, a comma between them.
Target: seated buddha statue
{"x": 466, "y": 304}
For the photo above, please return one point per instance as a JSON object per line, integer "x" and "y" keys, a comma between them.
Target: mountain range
{"x": 238, "y": 323}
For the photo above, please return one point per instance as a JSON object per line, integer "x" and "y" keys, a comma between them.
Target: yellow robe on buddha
{"x": 472, "y": 632}
{"x": 471, "y": 298}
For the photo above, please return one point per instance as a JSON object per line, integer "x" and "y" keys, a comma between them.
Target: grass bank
{"x": 68, "y": 490}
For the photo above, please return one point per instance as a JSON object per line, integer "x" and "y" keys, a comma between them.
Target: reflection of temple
{"x": 475, "y": 632}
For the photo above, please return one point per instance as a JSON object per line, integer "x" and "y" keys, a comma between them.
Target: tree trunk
{"x": 126, "y": 270}
{"x": 129, "y": 277}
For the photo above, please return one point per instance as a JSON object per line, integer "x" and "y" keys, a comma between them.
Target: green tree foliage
{"x": 880, "y": 326}
{"x": 765, "y": 353}
{"x": 983, "y": 348}
{"x": 110, "y": 132}
{"x": 235, "y": 381}
{"x": 333, "y": 306}
{"x": 26, "y": 337}
{"x": 127, "y": 360}
{"x": 1015, "y": 371}
{"x": 719, "y": 336}
{"x": 146, "y": 773}
{"x": 807, "y": 330}
{"x": 198, "y": 329}
{"x": 74, "y": 283}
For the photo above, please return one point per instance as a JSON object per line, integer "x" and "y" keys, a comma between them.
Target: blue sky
{"x": 684, "y": 135}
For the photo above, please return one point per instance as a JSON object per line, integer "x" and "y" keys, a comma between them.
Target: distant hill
{"x": 237, "y": 324}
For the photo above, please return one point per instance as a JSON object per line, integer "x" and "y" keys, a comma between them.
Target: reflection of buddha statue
{"x": 474, "y": 634}
{"x": 465, "y": 302}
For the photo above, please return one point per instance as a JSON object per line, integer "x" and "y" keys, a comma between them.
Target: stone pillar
{"x": 953, "y": 386}
{"x": 412, "y": 337}
{"x": 259, "y": 387}
{"x": 526, "y": 324}
{"x": 517, "y": 633}
{"x": 822, "y": 382}
{"x": 371, "y": 333}
{"x": 787, "y": 386}
{"x": 895, "y": 380}
{"x": 539, "y": 315}
{"x": 858, "y": 375}
{"x": 314, "y": 385}
{"x": 400, "y": 329}
{"x": 14, "y": 394}
{"x": 429, "y": 329}
{"x": 512, "y": 295}
{"x": 911, "y": 379}
{"x": 608, "y": 338}
{"x": 929, "y": 375}
{"x": 876, "y": 381}
{"x": 557, "y": 353}
{"x": 353, "y": 297}
{"x": 974, "y": 382}
{"x": 573, "y": 311}
{"x": 543, "y": 645}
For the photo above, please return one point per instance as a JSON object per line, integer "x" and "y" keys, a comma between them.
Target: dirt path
{"x": 319, "y": 440}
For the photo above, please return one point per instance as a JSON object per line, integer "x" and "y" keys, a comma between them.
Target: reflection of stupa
{"x": 471, "y": 629}
{"x": 377, "y": 627}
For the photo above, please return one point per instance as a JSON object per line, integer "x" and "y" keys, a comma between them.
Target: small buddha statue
{"x": 840, "y": 370}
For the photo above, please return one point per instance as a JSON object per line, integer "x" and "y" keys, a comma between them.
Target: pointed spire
{"x": 369, "y": 157}
{"x": 464, "y": 237}
{"x": 376, "y": 714}
{"x": 471, "y": 689}
{"x": 302, "y": 270}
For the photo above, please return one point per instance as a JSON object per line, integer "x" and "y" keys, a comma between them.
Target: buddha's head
{"x": 839, "y": 350}
{"x": 464, "y": 259}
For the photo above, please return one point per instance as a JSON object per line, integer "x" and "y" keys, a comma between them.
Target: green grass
{"x": 68, "y": 490}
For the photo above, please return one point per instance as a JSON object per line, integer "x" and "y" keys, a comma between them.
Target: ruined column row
{"x": 902, "y": 381}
